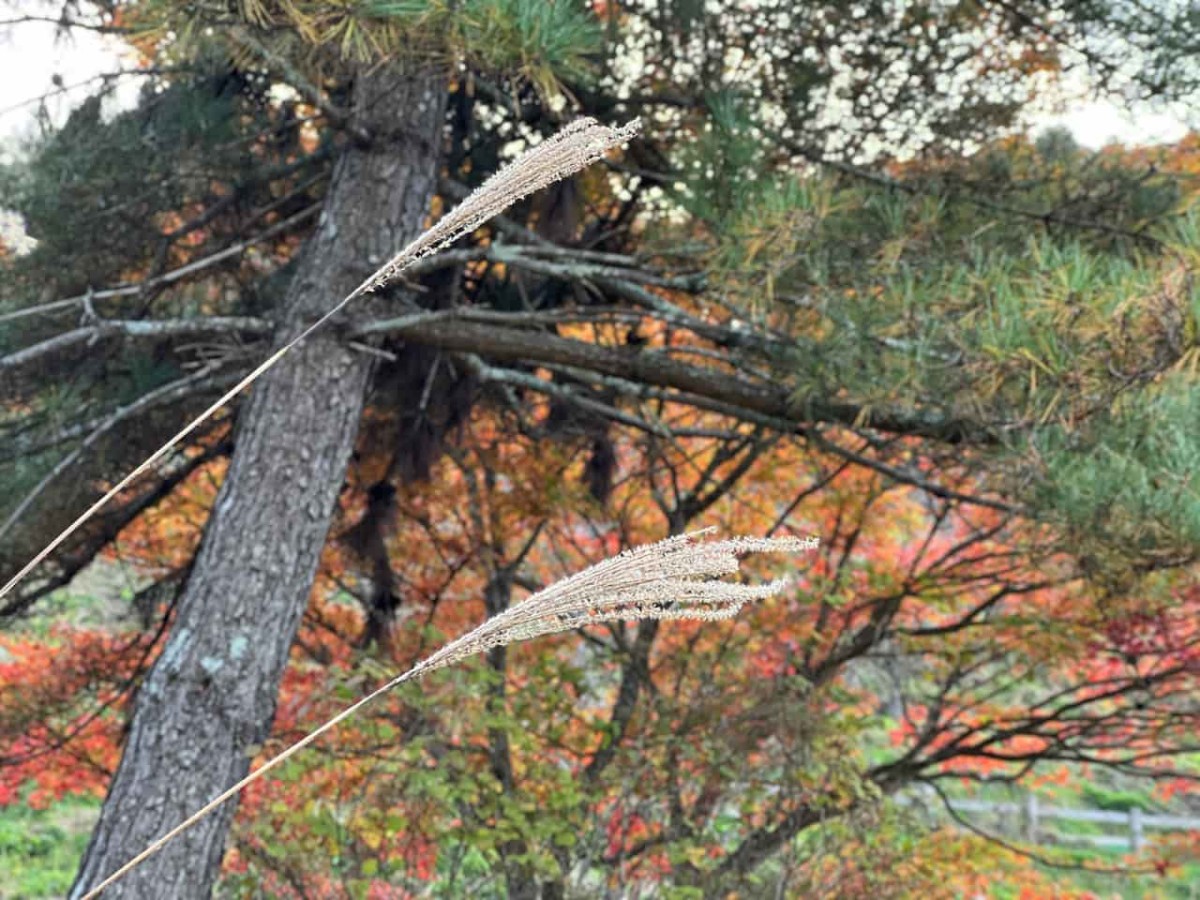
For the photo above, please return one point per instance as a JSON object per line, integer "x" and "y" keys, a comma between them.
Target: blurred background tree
{"x": 831, "y": 289}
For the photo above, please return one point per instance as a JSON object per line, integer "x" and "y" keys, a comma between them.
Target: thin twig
{"x": 152, "y": 329}
{"x": 201, "y": 380}
{"x": 134, "y": 290}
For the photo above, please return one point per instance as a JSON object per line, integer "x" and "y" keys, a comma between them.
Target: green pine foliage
{"x": 88, "y": 207}
{"x": 1076, "y": 349}
{"x": 1127, "y": 485}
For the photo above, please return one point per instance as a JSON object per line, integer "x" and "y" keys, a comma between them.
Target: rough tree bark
{"x": 210, "y": 699}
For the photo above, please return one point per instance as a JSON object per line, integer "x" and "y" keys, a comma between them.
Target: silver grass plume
{"x": 678, "y": 578}
{"x": 578, "y": 145}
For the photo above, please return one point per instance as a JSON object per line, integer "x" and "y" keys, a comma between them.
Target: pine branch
{"x": 143, "y": 329}
{"x": 134, "y": 290}
{"x": 105, "y": 528}
{"x": 740, "y": 396}
{"x": 203, "y": 380}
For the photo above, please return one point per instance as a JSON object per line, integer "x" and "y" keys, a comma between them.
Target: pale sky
{"x": 1098, "y": 122}
{"x": 30, "y": 56}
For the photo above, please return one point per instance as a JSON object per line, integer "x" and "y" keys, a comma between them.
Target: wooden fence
{"x": 1029, "y": 820}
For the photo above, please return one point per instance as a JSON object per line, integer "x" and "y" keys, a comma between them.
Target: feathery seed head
{"x": 577, "y": 146}
{"x": 674, "y": 579}
{"x": 678, "y": 578}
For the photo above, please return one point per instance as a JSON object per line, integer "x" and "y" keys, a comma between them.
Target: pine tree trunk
{"x": 210, "y": 698}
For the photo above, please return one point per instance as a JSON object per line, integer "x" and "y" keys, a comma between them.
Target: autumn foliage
{"x": 780, "y": 709}
{"x": 969, "y": 371}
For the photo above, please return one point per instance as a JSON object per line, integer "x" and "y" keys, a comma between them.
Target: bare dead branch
{"x": 512, "y": 345}
{"x": 199, "y": 381}
{"x": 138, "y": 329}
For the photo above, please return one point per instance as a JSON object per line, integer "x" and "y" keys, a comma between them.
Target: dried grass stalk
{"x": 679, "y": 578}
{"x": 575, "y": 147}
